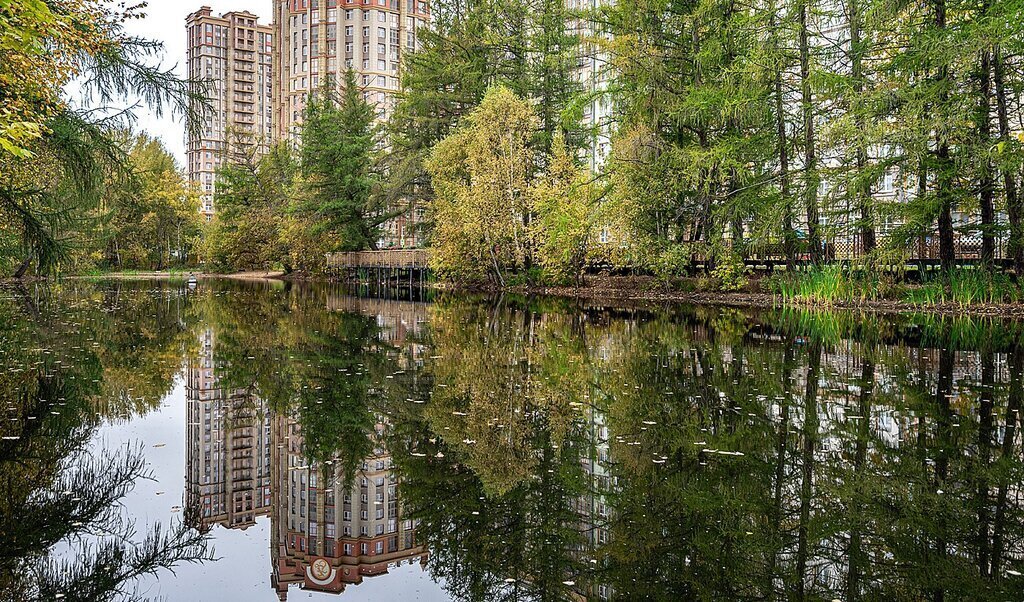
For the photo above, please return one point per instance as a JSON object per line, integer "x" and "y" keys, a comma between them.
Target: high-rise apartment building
{"x": 319, "y": 39}
{"x": 316, "y": 39}
{"x": 232, "y": 53}
{"x": 593, "y": 72}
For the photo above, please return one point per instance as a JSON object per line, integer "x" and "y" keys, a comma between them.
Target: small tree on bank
{"x": 565, "y": 203}
{"x": 481, "y": 176}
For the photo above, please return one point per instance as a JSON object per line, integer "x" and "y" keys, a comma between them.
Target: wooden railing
{"x": 967, "y": 249}
{"x": 392, "y": 259}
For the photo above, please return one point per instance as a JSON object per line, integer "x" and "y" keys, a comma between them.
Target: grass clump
{"x": 832, "y": 284}
{"x": 966, "y": 286}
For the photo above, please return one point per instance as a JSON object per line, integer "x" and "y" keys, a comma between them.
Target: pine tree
{"x": 441, "y": 83}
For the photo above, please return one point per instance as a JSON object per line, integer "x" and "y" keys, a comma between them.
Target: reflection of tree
{"x": 502, "y": 380}
{"x": 324, "y": 368}
{"x": 492, "y": 468}
{"x": 750, "y": 458}
{"x": 78, "y": 510}
{"x": 57, "y": 499}
{"x": 696, "y": 453}
{"x": 335, "y": 371}
{"x": 142, "y": 334}
{"x": 552, "y": 452}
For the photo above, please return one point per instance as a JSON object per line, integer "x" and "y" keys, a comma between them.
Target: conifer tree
{"x": 339, "y": 139}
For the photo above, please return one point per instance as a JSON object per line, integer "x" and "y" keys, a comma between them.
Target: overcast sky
{"x": 165, "y": 21}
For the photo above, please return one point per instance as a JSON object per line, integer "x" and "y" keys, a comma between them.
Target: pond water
{"x": 274, "y": 442}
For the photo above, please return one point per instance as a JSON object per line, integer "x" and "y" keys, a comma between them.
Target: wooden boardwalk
{"x": 408, "y": 264}
{"x": 394, "y": 259}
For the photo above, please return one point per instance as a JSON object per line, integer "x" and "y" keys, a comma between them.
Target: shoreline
{"x": 155, "y": 275}
{"x": 628, "y": 289}
{"x": 759, "y": 300}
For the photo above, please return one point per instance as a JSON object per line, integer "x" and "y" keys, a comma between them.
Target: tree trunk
{"x": 25, "y": 264}
{"x": 1013, "y": 206}
{"x": 922, "y": 189}
{"x": 944, "y": 172}
{"x": 986, "y": 182}
{"x": 861, "y": 190}
{"x": 810, "y": 153}
{"x": 789, "y": 236}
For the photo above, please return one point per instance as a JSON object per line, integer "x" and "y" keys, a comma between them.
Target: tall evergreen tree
{"x": 339, "y": 139}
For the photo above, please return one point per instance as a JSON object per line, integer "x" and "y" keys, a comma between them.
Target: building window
{"x": 886, "y": 185}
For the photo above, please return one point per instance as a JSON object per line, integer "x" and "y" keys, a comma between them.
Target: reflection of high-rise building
{"x": 401, "y": 323}
{"x": 227, "y": 447}
{"x": 328, "y": 533}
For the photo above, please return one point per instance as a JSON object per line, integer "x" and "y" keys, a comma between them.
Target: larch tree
{"x": 57, "y": 160}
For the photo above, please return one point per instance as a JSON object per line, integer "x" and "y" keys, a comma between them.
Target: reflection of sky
{"x": 242, "y": 571}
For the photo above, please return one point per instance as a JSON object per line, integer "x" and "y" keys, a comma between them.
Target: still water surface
{"x": 276, "y": 442}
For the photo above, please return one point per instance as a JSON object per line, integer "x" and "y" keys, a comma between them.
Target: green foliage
{"x": 965, "y": 286}
{"x": 692, "y": 157}
{"x": 290, "y": 209}
{"x": 339, "y": 138}
{"x": 152, "y": 224}
{"x": 671, "y": 261}
{"x": 833, "y": 284}
{"x": 251, "y": 197}
{"x": 565, "y": 204}
{"x": 57, "y": 162}
{"x": 730, "y": 273}
{"x": 527, "y": 46}
{"x": 481, "y": 176}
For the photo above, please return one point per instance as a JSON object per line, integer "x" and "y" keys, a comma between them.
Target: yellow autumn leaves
{"x": 42, "y": 45}
{"x": 501, "y": 205}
